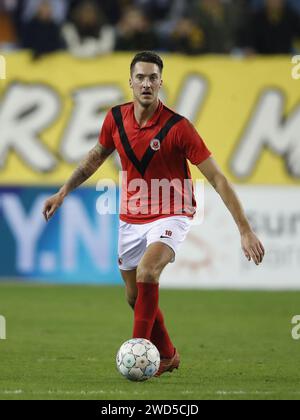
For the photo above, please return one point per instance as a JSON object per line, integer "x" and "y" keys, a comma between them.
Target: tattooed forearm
{"x": 86, "y": 168}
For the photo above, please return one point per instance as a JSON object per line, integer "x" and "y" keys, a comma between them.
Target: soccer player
{"x": 154, "y": 143}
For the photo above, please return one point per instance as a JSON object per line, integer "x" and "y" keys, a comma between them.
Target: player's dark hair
{"x": 147, "y": 57}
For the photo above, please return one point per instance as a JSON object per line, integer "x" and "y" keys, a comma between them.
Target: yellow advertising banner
{"x": 247, "y": 110}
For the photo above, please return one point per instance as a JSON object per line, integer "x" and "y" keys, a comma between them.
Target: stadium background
{"x": 51, "y": 113}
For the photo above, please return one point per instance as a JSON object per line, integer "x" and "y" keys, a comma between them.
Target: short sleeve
{"x": 106, "y": 134}
{"x": 191, "y": 144}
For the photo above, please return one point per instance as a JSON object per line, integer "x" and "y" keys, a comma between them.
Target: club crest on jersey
{"x": 155, "y": 144}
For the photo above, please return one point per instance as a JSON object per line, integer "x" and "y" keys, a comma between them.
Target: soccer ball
{"x": 138, "y": 359}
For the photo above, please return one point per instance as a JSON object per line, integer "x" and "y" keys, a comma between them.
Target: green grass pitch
{"x": 61, "y": 344}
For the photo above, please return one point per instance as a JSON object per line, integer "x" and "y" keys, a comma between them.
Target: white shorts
{"x": 135, "y": 238}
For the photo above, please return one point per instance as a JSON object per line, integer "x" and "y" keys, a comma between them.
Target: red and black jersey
{"x": 152, "y": 156}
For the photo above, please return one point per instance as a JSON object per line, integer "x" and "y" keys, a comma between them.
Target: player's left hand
{"x": 252, "y": 247}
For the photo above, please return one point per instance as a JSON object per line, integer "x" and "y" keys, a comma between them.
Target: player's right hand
{"x": 51, "y": 205}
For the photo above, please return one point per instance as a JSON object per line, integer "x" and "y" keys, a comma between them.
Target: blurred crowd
{"x": 89, "y": 28}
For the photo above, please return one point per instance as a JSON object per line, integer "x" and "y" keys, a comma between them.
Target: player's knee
{"x": 148, "y": 274}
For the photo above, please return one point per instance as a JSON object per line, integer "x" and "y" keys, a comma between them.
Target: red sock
{"x": 160, "y": 337}
{"x": 145, "y": 310}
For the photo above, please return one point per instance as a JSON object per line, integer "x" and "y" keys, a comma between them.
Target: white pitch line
{"x": 113, "y": 392}
{"x": 256, "y": 392}
{"x": 60, "y": 392}
{"x": 17, "y": 391}
{"x": 68, "y": 392}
